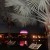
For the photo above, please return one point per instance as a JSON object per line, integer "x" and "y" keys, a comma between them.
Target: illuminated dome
{"x": 23, "y": 32}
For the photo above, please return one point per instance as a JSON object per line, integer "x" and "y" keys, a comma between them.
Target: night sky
{"x": 12, "y": 28}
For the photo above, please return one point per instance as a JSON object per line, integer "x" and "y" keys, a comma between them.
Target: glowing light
{"x": 24, "y": 31}
{"x": 34, "y": 36}
{"x": 26, "y": 42}
{"x": 0, "y": 36}
{"x": 39, "y": 40}
{"x": 39, "y": 36}
{"x": 11, "y": 42}
{"x": 33, "y": 40}
{"x": 22, "y": 43}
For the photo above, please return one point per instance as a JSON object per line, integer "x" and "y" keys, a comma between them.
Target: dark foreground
{"x": 5, "y": 47}
{"x": 14, "y": 48}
